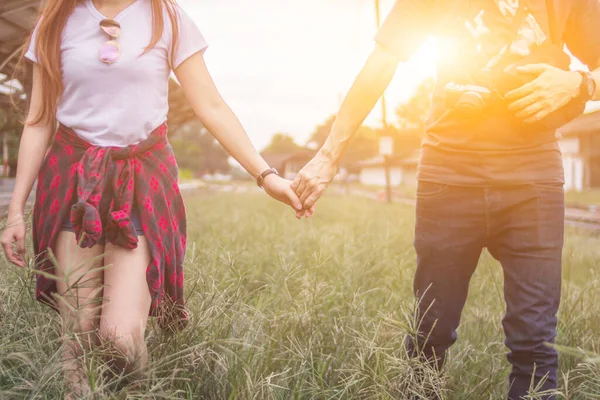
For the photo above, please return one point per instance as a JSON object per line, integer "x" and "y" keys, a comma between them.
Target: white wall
{"x": 572, "y": 163}
{"x": 376, "y": 176}
{"x": 574, "y": 168}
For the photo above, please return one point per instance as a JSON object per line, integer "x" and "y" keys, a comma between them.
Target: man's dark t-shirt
{"x": 494, "y": 149}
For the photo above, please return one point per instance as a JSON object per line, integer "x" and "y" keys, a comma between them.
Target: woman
{"x": 107, "y": 188}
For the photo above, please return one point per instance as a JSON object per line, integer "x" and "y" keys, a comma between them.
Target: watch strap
{"x": 588, "y": 86}
{"x": 261, "y": 178}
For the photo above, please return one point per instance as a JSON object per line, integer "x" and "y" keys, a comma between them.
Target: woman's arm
{"x": 218, "y": 118}
{"x": 32, "y": 150}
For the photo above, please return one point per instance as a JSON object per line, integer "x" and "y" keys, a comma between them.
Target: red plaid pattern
{"x": 97, "y": 188}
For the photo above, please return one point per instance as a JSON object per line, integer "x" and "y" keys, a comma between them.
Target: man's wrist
{"x": 587, "y": 87}
{"x": 331, "y": 155}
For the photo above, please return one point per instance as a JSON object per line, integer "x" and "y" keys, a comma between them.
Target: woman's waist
{"x": 113, "y": 133}
{"x": 82, "y": 141}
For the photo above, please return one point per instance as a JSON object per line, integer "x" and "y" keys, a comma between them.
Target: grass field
{"x": 307, "y": 310}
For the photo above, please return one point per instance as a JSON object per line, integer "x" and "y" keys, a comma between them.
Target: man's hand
{"x": 313, "y": 179}
{"x": 280, "y": 189}
{"x": 552, "y": 89}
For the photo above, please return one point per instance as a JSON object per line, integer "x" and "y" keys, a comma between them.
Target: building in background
{"x": 403, "y": 170}
{"x": 288, "y": 164}
{"x": 580, "y": 146}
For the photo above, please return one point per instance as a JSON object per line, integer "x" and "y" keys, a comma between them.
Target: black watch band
{"x": 261, "y": 178}
{"x": 587, "y": 90}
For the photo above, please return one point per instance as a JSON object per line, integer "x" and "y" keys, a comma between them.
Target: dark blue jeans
{"x": 522, "y": 227}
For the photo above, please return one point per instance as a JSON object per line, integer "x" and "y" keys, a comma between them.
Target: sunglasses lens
{"x": 112, "y": 28}
{"x": 109, "y": 52}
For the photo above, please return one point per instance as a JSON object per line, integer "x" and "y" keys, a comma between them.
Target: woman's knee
{"x": 124, "y": 342}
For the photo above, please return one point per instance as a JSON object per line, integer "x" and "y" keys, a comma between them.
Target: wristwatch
{"x": 587, "y": 90}
{"x": 261, "y": 178}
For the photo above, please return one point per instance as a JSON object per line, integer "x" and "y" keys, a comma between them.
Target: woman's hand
{"x": 280, "y": 189}
{"x": 14, "y": 233}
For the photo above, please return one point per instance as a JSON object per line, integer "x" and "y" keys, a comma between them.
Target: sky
{"x": 285, "y": 65}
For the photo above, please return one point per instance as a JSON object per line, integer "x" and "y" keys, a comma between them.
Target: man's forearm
{"x": 360, "y": 100}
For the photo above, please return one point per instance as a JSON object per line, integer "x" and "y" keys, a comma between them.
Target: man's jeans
{"x": 522, "y": 227}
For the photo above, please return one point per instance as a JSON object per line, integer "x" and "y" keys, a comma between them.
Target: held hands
{"x": 552, "y": 89}
{"x": 280, "y": 189}
{"x": 14, "y": 237}
{"x": 313, "y": 179}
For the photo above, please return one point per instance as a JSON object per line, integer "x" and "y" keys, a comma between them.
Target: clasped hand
{"x": 312, "y": 180}
{"x": 552, "y": 89}
{"x": 306, "y": 189}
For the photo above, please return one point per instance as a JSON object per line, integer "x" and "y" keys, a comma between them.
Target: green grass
{"x": 315, "y": 309}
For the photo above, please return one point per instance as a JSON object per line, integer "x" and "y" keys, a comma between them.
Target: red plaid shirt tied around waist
{"x": 97, "y": 188}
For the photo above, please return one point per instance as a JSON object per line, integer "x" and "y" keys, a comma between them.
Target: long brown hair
{"x": 52, "y": 20}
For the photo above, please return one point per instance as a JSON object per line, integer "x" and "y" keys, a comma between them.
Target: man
{"x": 491, "y": 172}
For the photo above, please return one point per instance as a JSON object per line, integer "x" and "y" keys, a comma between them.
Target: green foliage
{"x": 11, "y": 125}
{"x": 197, "y": 150}
{"x": 413, "y": 114}
{"x": 185, "y": 174}
{"x": 282, "y": 143}
{"x": 315, "y": 309}
{"x": 365, "y": 143}
{"x": 321, "y": 132}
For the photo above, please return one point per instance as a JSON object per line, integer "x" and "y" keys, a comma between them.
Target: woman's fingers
{"x": 20, "y": 239}
{"x": 15, "y": 257}
{"x": 293, "y": 200}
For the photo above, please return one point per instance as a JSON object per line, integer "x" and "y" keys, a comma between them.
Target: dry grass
{"x": 310, "y": 310}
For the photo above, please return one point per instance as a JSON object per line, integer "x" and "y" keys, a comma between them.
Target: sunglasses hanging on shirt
{"x": 111, "y": 50}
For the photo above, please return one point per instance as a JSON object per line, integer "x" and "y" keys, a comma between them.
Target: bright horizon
{"x": 285, "y": 66}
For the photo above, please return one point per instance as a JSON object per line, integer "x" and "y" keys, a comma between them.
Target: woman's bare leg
{"x": 79, "y": 289}
{"x": 126, "y": 306}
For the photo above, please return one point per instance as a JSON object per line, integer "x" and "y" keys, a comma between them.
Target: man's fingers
{"x": 523, "y": 103}
{"x": 529, "y": 111}
{"x": 538, "y": 116}
{"x": 534, "y": 69}
{"x": 296, "y": 182}
{"x": 310, "y": 188}
{"x": 311, "y": 200}
{"x": 301, "y": 186}
{"x": 521, "y": 92}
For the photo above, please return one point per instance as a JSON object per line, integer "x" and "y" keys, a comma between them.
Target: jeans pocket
{"x": 431, "y": 189}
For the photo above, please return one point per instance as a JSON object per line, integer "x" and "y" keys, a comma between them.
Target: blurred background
{"x": 315, "y": 309}
{"x": 284, "y": 68}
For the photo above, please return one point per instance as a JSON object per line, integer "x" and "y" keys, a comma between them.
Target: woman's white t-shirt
{"x": 122, "y": 103}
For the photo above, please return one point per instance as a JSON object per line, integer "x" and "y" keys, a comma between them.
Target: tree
{"x": 318, "y": 137}
{"x": 364, "y": 144}
{"x": 197, "y": 150}
{"x": 11, "y": 127}
{"x": 282, "y": 143}
{"x": 413, "y": 114}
